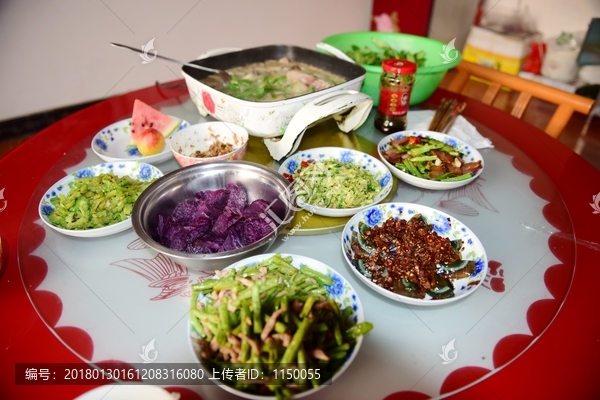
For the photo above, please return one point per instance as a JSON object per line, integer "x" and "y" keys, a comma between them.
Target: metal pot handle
{"x": 332, "y": 105}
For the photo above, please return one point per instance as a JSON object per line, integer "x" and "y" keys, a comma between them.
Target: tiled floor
{"x": 16, "y": 131}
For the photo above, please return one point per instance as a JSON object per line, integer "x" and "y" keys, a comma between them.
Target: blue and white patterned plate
{"x": 469, "y": 152}
{"x": 444, "y": 224}
{"x": 367, "y": 162}
{"x": 134, "y": 169}
{"x": 341, "y": 291}
{"x": 113, "y": 144}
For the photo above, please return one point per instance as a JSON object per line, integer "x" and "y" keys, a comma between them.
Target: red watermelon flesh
{"x": 144, "y": 117}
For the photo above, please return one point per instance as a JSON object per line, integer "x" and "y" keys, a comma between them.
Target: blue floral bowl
{"x": 444, "y": 224}
{"x": 369, "y": 163}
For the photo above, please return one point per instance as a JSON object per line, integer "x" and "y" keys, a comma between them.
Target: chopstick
{"x": 446, "y": 114}
{"x": 459, "y": 109}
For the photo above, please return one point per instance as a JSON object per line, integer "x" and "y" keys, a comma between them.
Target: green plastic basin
{"x": 439, "y": 58}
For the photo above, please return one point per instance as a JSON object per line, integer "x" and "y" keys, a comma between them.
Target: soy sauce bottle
{"x": 397, "y": 80}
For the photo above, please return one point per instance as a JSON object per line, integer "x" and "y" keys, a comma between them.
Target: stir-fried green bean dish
{"x": 384, "y": 51}
{"x": 272, "y": 317}
{"x": 96, "y": 202}
{"x": 431, "y": 159}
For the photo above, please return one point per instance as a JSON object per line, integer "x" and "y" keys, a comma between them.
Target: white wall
{"x": 452, "y": 20}
{"x": 55, "y": 53}
{"x": 551, "y": 17}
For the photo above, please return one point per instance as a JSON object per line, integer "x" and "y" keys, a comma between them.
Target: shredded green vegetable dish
{"x": 96, "y": 202}
{"x": 334, "y": 184}
{"x": 384, "y": 51}
{"x": 277, "y": 319}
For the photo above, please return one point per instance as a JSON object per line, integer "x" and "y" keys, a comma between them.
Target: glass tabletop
{"x": 106, "y": 298}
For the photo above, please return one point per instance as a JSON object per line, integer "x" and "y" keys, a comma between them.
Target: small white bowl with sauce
{"x": 209, "y": 141}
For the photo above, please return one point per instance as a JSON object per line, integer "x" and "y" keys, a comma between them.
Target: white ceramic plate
{"x": 134, "y": 169}
{"x": 341, "y": 291}
{"x": 444, "y": 224}
{"x": 469, "y": 152}
{"x": 371, "y": 164}
{"x": 113, "y": 144}
{"x": 127, "y": 391}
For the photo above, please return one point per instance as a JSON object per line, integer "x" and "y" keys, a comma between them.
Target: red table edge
{"x": 495, "y": 119}
{"x": 573, "y": 352}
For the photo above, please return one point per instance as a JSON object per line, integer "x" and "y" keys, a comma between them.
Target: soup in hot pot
{"x": 274, "y": 80}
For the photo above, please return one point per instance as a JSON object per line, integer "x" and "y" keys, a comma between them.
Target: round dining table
{"x": 531, "y": 330}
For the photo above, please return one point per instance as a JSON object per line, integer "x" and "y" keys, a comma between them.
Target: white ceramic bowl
{"x": 134, "y": 169}
{"x": 444, "y": 224}
{"x": 341, "y": 291}
{"x": 199, "y": 137}
{"x": 469, "y": 152}
{"x": 367, "y": 162}
{"x": 113, "y": 144}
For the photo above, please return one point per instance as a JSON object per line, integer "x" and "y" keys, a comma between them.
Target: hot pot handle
{"x": 332, "y": 105}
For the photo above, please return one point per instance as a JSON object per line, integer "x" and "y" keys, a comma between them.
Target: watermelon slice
{"x": 145, "y": 117}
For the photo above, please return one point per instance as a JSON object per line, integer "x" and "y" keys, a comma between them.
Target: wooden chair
{"x": 566, "y": 102}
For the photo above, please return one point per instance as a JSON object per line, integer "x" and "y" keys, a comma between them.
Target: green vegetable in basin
{"x": 369, "y": 57}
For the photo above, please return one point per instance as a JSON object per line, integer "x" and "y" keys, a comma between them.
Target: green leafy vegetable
{"x": 384, "y": 51}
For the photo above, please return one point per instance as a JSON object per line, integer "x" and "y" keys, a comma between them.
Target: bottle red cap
{"x": 397, "y": 66}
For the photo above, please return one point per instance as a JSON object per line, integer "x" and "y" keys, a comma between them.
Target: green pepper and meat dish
{"x": 272, "y": 314}
{"x": 428, "y": 158}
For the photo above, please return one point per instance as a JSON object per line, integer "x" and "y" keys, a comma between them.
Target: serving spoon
{"x": 225, "y": 77}
{"x": 334, "y": 51}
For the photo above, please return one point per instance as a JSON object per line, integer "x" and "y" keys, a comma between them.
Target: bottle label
{"x": 394, "y": 102}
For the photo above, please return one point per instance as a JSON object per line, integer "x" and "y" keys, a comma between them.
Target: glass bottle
{"x": 397, "y": 80}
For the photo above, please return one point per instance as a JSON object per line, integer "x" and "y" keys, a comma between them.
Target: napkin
{"x": 461, "y": 129}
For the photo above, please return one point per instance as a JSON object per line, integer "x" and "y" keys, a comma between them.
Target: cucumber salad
{"x": 334, "y": 184}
